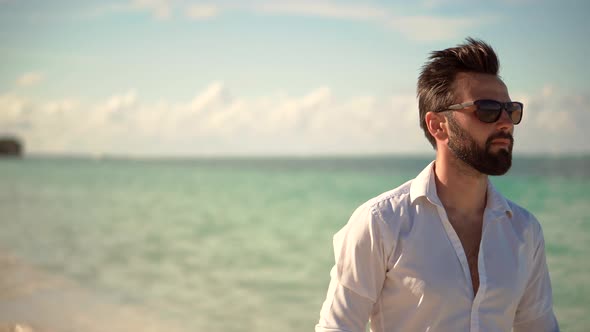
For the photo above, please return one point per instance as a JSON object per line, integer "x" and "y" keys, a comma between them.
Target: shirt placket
{"x": 483, "y": 276}
{"x": 456, "y": 243}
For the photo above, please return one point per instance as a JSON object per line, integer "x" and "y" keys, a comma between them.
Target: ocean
{"x": 230, "y": 244}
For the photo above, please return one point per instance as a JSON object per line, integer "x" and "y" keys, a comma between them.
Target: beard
{"x": 464, "y": 147}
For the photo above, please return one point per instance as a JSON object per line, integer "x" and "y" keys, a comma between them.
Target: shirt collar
{"x": 424, "y": 185}
{"x": 497, "y": 203}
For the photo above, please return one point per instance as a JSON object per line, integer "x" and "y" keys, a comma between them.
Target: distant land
{"x": 10, "y": 146}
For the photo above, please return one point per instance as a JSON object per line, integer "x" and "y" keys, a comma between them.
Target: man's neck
{"x": 460, "y": 187}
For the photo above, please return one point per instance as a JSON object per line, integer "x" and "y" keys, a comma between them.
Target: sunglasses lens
{"x": 488, "y": 110}
{"x": 515, "y": 111}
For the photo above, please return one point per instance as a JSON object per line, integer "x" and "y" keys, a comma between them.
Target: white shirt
{"x": 401, "y": 266}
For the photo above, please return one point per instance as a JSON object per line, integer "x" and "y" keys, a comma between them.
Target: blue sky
{"x": 166, "y": 77}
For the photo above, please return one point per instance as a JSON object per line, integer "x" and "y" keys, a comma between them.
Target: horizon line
{"x": 286, "y": 156}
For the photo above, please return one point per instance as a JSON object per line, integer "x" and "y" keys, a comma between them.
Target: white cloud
{"x": 59, "y": 106}
{"x": 215, "y": 95}
{"x": 553, "y": 122}
{"x": 160, "y": 9}
{"x": 432, "y": 28}
{"x": 432, "y": 4}
{"x": 317, "y": 98}
{"x": 120, "y": 102}
{"x": 324, "y": 8}
{"x": 217, "y": 122}
{"x": 419, "y": 24}
{"x": 547, "y": 91}
{"x": 416, "y": 27}
{"x": 29, "y": 79}
{"x": 202, "y": 11}
{"x": 13, "y": 117}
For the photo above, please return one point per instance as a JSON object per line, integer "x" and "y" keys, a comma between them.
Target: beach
{"x": 34, "y": 300}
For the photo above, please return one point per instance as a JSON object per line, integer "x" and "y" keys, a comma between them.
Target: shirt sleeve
{"x": 535, "y": 310}
{"x": 343, "y": 310}
{"x": 358, "y": 275}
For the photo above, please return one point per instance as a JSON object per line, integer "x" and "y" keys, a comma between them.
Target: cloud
{"x": 202, "y": 11}
{"x": 432, "y": 4}
{"x": 29, "y": 79}
{"x": 553, "y": 122}
{"x": 416, "y": 27}
{"x": 160, "y": 9}
{"x": 214, "y": 96}
{"x": 120, "y": 102}
{"x": 13, "y": 116}
{"x": 59, "y": 106}
{"x": 216, "y": 121}
{"x": 326, "y": 9}
{"x": 432, "y": 28}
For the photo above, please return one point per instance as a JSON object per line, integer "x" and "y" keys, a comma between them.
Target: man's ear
{"x": 436, "y": 124}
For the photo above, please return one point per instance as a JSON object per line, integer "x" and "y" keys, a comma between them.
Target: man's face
{"x": 482, "y": 158}
{"x": 486, "y": 147}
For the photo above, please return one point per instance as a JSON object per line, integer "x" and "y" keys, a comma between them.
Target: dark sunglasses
{"x": 489, "y": 111}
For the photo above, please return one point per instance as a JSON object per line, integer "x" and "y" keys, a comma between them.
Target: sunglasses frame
{"x": 503, "y": 106}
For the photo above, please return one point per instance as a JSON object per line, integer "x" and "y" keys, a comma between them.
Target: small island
{"x": 10, "y": 147}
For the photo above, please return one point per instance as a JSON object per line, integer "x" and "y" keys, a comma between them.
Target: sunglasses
{"x": 489, "y": 111}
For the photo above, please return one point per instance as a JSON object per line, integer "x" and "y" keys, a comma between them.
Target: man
{"x": 446, "y": 251}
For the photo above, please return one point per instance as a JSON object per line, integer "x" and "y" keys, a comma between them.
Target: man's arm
{"x": 343, "y": 310}
{"x": 358, "y": 275}
{"x": 535, "y": 310}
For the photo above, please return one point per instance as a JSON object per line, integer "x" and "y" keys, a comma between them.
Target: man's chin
{"x": 502, "y": 163}
{"x": 497, "y": 149}
{"x": 499, "y": 171}
{"x": 497, "y": 161}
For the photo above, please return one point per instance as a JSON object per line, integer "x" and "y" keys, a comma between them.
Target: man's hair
{"x": 436, "y": 81}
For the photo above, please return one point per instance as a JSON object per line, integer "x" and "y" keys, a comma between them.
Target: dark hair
{"x": 435, "y": 84}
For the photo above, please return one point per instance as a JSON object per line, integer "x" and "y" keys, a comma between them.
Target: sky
{"x": 283, "y": 77}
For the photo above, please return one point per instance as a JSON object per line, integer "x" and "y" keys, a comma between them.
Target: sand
{"x": 34, "y": 300}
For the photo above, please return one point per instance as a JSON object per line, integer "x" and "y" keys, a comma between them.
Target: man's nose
{"x": 505, "y": 121}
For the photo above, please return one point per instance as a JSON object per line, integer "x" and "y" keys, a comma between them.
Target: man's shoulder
{"x": 522, "y": 219}
{"x": 388, "y": 201}
{"x": 382, "y": 214}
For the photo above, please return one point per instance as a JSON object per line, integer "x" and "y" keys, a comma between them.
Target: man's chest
{"x": 469, "y": 230}
{"x": 447, "y": 262}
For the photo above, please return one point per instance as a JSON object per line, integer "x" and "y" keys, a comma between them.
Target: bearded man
{"x": 446, "y": 251}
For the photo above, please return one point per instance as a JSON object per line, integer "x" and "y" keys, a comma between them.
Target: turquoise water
{"x": 245, "y": 244}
